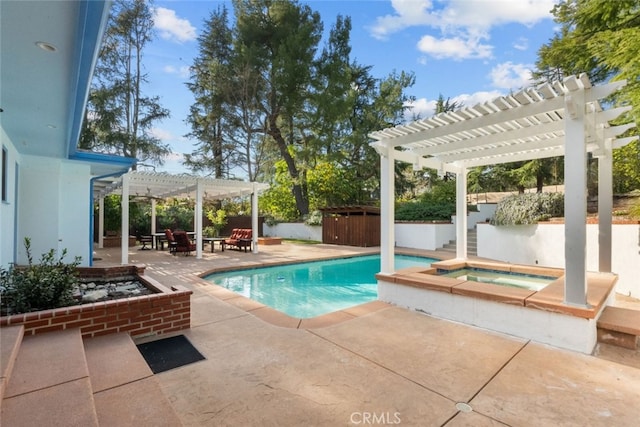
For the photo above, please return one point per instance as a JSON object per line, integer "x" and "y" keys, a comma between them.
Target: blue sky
{"x": 467, "y": 50}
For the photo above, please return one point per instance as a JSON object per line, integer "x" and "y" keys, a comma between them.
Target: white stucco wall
{"x": 296, "y": 230}
{"x": 543, "y": 245}
{"x": 8, "y": 207}
{"x": 560, "y": 330}
{"x": 54, "y": 208}
{"x": 485, "y": 212}
{"x": 424, "y": 235}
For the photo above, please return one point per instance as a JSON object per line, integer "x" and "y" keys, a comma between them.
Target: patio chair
{"x": 144, "y": 241}
{"x": 240, "y": 238}
{"x": 183, "y": 243}
{"x": 171, "y": 241}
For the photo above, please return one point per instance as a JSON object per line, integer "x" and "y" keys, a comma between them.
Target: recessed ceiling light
{"x": 46, "y": 46}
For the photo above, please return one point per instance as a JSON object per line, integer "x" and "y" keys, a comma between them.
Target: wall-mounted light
{"x": 47, "y": 47}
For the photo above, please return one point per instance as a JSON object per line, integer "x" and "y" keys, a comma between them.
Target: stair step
{"x": 50, "y": 383}
{"x": 10, "y": 340}
{"x": 125, "y": 391}
{"x": 619, "y": 326}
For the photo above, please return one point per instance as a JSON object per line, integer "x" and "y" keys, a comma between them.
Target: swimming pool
{"x": 311, "y": 289}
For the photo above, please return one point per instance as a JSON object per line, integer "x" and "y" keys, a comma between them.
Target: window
{"x": 5, "y": 173}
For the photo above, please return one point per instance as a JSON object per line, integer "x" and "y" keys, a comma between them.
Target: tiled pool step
{"x": 56, "y": 379}
{"x": 619, "y": 326}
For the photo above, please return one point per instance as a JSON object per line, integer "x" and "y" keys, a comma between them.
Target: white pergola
{"x": 559, "y": 119}
{"x": 161, "y": 186}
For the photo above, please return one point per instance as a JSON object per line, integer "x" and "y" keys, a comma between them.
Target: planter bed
{"x": 164, "y": 311}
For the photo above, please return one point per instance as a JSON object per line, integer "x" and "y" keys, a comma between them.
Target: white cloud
{"x": 408, "y": 13}
{"x": 521, "y": 44}
{"x": 470, "y": 100}
{"x": 171, "y": 27}
{"x": 162, "y": 134}
{"x": 424, "y": 108}
{"x": 183, "y": 71}
{"x": 421, "y": 108}
{"x": 457, "y": 26}
{"x": 511, "y": 76}
{"x": 452, "y": 14}
{"x": 456, "y": 48}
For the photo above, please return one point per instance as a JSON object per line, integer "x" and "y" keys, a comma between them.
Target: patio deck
{"x": 389, "y": 366}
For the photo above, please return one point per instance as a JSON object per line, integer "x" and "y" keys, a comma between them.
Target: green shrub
{"x": 634, "y": 210}
{"x": 42, "y": 286}
{"x": 421, "y": 211}
{"x": 528, "y": 208}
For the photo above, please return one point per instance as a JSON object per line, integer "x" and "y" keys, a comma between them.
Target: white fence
{"x": 293, "y": 230}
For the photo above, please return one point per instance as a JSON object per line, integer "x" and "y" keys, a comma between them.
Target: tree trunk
{"x": 302, "y": 202}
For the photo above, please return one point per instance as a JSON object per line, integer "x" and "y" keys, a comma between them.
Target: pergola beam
{"x": 560, "y": 118}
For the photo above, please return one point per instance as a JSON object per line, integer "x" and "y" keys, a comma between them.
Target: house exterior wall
{"x": 54, "y": 208}
{"x": 8, "y": 218}
{"x": 543, "y": 244}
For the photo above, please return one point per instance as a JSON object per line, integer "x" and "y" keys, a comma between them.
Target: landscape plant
{"x": 38, "y": 286}
{"x": 528, "y": 208}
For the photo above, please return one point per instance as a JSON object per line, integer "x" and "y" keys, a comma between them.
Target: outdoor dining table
{"x": 213, "y": 241}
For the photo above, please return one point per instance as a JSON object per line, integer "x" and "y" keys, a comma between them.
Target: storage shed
{"x": 351, "y": 225}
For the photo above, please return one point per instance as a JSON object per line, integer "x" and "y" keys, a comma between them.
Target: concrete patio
{"x": 383, "y": 365}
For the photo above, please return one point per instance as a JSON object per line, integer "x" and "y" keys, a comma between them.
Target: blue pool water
{"x": 312, "y": 288}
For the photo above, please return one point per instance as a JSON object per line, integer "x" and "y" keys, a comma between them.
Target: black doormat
{"x": 169, "y": 353}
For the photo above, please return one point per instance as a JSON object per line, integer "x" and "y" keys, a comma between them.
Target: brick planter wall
{"x": 168, "y": 310}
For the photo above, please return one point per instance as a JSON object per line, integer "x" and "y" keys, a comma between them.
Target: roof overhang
{"x": 163, "y": 186}
{"x": 529, "y": 124}
{"x": 49, "y": 50}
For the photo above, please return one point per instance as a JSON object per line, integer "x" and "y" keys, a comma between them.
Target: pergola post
{"x": 387, "y": 205}
{"x": 124, "y": 224}
{"x": 198, "y": 219}
{"x": 605, "y": 207}
{"x": 153, "y": 217}
{"x": 461, "y": 214}
{"x": 254, "y": 219}
{"x": 575, "y": 200}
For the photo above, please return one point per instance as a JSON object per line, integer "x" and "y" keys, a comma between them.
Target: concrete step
{"x": 57, "y": 379}
{"x": 49, "y": 383}
{"x": 125, "y": 391}
{"x": 619, "y": 326}
{"x": 10, "y": 340}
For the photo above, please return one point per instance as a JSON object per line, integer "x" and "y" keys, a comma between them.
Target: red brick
{"x": 28, "y": 317}
{"x": 94, "y": 328}
{"x": 130, "y": 327}
{"x": 78, "y": 324}
{"x": 142, "y": 331}
{"x": 37, "y": 323}
{"x": 66, "y": 318}
{"x": 116, "y": 323}
{"x": 185, "y": 323}
{"x": 182, "y": 310}
{"x": 153, "y": 322}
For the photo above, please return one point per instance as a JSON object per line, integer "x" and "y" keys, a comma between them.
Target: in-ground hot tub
{"x": 539, "y": 315}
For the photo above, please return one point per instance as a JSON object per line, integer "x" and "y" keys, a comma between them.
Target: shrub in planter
{"x": 46, "y": 285}
{"x": 529, "y": 208}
